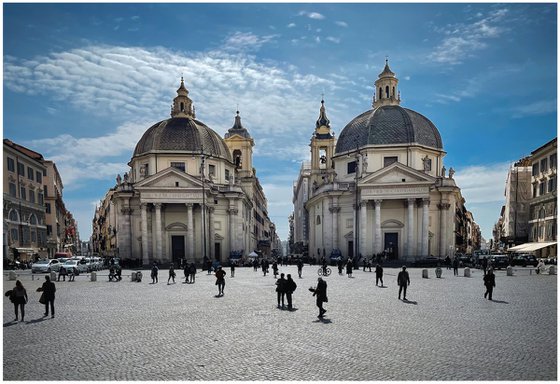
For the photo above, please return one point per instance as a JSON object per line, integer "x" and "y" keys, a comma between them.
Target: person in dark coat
{"x": 232, "y": 269}
{"x": 489, "y": 283}
{"x": 403, "y": 280}
{"x": 275, "y": 269}
{"x": 484, "y": 264}
{"x": 171, "y": 273}
{"x": 62, "y": 273}
{"x": 154, "y": 273}
{"x": 49, "y": 290}
{"x": 220, "y": 280}
{"x": 192, "y": 272}
{"x": 290, "y": 288}
{"x": 455, "y": 266}
{"x": 321, "y": 292}
{"x": 349, "y": 267}
{"x": 299, "y": 267}
{"x": 186, "y": 271}
{"x": 378, "y": 274}
{"x": 19, "y": 298}
{"x": 448, "y": 262}
{"x": 340, "y": 265}
{"x": 281, "y": 290}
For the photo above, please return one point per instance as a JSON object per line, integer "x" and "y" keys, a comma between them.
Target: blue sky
{"x": 82, "y": 82}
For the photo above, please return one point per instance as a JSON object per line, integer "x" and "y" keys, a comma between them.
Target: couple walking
{"x": 285, "y": 288}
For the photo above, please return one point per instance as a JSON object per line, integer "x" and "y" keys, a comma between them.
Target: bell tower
{"x": 322, "y": 148}
{"x": 386, "y": 91}
{"x": 182, "y": 105}
{"x": 240, "y": 144}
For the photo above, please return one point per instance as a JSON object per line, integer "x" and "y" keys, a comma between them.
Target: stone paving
{"x": 141, "y": 331}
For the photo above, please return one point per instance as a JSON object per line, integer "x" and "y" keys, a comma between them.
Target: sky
{"x": 83, "y": 82}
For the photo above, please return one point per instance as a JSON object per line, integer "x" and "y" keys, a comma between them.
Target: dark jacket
{"x": 378, "y": 271}
{"x": 403, "y": 279}
{"x": 281, "y": 285}
{"x": 321, "y": 291}
{"x": 490, "y": 280}
{"x": 49, "y": 289}
{"x": 290, "y": 285}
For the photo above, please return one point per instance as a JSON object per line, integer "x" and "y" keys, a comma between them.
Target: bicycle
{"x": 326, "y": 272}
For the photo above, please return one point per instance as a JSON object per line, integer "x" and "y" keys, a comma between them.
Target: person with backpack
{"x": 281, "y": 290}
{"x": 290, "y": 288}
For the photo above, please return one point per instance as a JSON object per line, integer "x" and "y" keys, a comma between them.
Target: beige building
{"x": 382, "y": 187}
{"x": 25, "y": 231}
{"x": 516, "y": 211}
{"x": 189, "y": 194}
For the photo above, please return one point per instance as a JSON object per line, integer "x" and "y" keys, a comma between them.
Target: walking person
{"x": 349, "y": 267}
{"x": 171, "y": 273}
{"x": 186, "y": 271}
{"x": 19, "y": 298}
{"x": 489, "y": 283}
{"x": 154, "y": 273}
{"x": 340, "y": 266}
{"x": 73, "y": 272}
{"x": 48, "y": 290}
{"x": 264, "y": 266}
{"x": 62, "y": 273}
{"x": 275, "y": 269}
{"x": 321, "y": 292}
{"x": 300, "y": 267}
{"x": 192, "y": 272}
{"x": 281, "y": 290}
{"x": 448, "y": 262}
{"x": 255, "y": 265}
{"x": 290, "y": 288}
{"x": 403, "y": 280}
{"x": 220, "y": 280}
{"x": 455, "y": 266}
{"x": 232, "y": 269}
{"x": 484, "y": 263}
{"x": 378, "y": 274}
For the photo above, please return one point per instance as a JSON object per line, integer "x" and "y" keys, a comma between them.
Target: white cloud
{"x": 312, "y": 15}
{"x": 291, "y": 25}
{"x": 341, "y": 24}
{"x": 246, "y": 41}
{"x": 483, "y": 183}
{"x": 541, "y": 107}
{"x": 463, "y": 40}
{"x": 333, "y": 39}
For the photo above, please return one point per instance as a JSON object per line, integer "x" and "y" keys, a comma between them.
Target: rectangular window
{"x": 48, "y": 207}
{"x": 535, "y": 169}
{"x": 32, "y": 196}
{"x": 552, "y": 184}
{"x": 39, "y": 177}
{"x": 41, "y": 199}
{"x": 178, "y": 165}
{"x": 351, "y": 167}
{"x": 553, "y": 161}
{"x": 30, "y": 173}
{"x": 544, "y": 165}
{"x": 49, "y": 230}
{"x": 542, "y": 188}
{"x": 227, "y": 174}
{"x": 33, "y": 237}
{"x": 211, "y": 170}
{"x": 14, "y": 234}
{"x": 13, "y": 191}
{"x": 21, "y": 169}
{"x": 11, "y": 165}
{"x": 45, "y": 191}
{"x": 389, "y": 160}
{"x": 22, "y": 193}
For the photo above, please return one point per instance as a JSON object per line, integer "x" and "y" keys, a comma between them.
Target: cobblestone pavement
{"x": 141, "y": 331}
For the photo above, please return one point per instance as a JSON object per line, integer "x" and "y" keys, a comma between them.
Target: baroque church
{"x": 189, "y": 195}
{"x": 380, "y": 189}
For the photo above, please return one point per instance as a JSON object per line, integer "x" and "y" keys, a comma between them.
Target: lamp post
{"x": 356, "y": 213}
{"x": 202, "y": 157}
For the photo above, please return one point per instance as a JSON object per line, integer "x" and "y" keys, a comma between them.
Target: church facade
{"x": 190, "y": 194}
{"x": 380, "y": 188}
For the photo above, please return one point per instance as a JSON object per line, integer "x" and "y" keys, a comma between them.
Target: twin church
{"x": 191, "y": 194}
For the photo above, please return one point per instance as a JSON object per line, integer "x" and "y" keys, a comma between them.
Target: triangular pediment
{"x": 169, "y": 178}
{"x": 397, "y": 173}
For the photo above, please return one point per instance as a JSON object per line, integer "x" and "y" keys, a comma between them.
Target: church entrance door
{"x": 177, "y": 249}
{"x": 391, "y": 245}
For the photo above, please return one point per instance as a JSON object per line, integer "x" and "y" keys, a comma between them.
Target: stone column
{"x": 443, "y": 207}
{"x": 124, "y": 234}
{"x": 378, "y": 242}
{"x": 410, "y": 225}
{"x": 211, "y": 232}
{"x": 158, "y": 232}
{"x": 190, "y": 232}
{"x": 144, "y": 218}
{"x": 363, "y": 227}
{"x": 425, "y": 226}
{"x": 232, "y": 215}
{"x": 334, "y": 211}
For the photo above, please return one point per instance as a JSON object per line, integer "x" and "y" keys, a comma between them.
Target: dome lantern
{"x": 182, "y": 104}
{"x": 386, "y": 92}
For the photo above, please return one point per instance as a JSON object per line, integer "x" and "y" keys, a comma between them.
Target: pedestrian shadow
{"x": 382, "y": 286}
{"x": 39, "y": 320}
{"x": 410, "y": 302}
{"x": 323, "y": 320}
{"x": 500, "y": 301}
{"x": 218, "y": 296}
{"x": 10, "y": 323}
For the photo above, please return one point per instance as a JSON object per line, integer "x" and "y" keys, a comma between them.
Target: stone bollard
{"x": 438, "y": 272}
{"x": 133, "y": 276}
{"x": 467, "y": 272}
{"x": 425, "y": 273}
{"x": 509, "y": 270}
{"x": 12, "y": 275}
{"x": 552, "y": 270}
{"x": 93, "y": 276}
{"x": 53, "y": 276}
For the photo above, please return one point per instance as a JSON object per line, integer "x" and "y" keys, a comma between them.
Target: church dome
{"x": 182, "y": 134}
{"x": 388, "y": 125}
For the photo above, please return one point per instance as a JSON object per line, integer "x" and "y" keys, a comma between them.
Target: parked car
{"x": 72, "y": 264}
{"x": 82, "y": 263}
{"x": 525, "y": 260}
{"x": 428, "y": 262}
{"x": 46, "y": 266}
{"x": 499, "y": 261}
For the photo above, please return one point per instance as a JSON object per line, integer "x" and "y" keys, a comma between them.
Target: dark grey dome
{"x": 182, "y": 134}
{"x": 390, "y": 124}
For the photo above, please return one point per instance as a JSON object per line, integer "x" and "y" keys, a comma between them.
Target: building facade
{"x": 517, "y": 197}
{"x": 189, "y": 194}
{"x": 25, "y": 230}
{"x": 381, "y": 188}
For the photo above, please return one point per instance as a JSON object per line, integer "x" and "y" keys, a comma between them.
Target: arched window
{"x": 14, "y": 215}
{"x": 393, "y": 91}
{"x": 387, "y": 91}
{"x": 380, "y": 92}
{"x": 182, "y": 107}
{"x": 237, "y": 158}
{"x": 33, "y": 219}
{"x": 318, "y": 219}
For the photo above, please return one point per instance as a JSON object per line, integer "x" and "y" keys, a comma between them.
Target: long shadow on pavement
{"x": 324, "y": 321}
{"x": 500, "y": 301}
{"x": 410, "y": 302}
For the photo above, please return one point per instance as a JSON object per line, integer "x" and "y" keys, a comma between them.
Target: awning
{"x": 530, "y": 247}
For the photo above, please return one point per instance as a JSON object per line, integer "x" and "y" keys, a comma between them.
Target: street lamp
{"x": 202, "y": 157}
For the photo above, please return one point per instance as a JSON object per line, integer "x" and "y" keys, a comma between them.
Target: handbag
{"x": 43, "y": 299}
